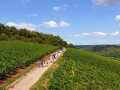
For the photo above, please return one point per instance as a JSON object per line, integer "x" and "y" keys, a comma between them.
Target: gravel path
{"x": 25, "y": 82}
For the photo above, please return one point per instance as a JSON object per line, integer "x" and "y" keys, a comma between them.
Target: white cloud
{"x": 98, "y": 34}
{"x": 116, "y": 33}
{"x": 106, "y": 2}
{"x": 32, "y": 15}
{"x": 53, "y": 24}
{"x": 11, "y": 24}
{"x": 50, "y": 24}
{"x": 95, "y": 34}
{"x": 76, "y": 35}
{"x": 63, "y": 24}
{"x": 28, "y": 26}
{"x": 85, "y": 34}
{"x": 32, "y": 27}
{"x": 57, "y": 8}
{"x": 117, "y": 18}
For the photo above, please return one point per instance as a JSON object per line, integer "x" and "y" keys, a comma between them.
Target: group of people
{"x": 52, "y": 58}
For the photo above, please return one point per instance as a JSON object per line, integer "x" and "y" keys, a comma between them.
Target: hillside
{"x": 112, "y": 51}
{"x": 82, "y": 70}
{"x": 12, "y": 33}
{"x": 14, "y": 54}
{"x": 20, "y": 49}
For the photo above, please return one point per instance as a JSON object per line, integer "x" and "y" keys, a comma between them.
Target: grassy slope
{"x": 110, "y": 51}
{"x": 82, "y": 70}
{"x": 19, "y": 53}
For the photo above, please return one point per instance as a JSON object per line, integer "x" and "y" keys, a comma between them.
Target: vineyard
{"x": 82, "y": 70}
{"x": 111, "y": 51}
{"x": 14, "y": 54}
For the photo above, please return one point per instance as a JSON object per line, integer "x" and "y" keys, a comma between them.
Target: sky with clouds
{"x": 76, "y": 21}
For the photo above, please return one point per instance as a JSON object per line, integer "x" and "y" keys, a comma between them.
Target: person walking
{"x": 47, "y": 62}
{"x": 54, "y": 55}
{"x": 44, "y": 63}
{"x": 41, "y": 63}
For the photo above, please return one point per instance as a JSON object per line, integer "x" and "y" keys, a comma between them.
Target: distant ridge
{"x": 83, "y": 46}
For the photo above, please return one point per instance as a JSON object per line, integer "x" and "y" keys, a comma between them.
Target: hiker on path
{"x": 54, "y": 55}
{"x": 41, "y": 63}
{"x": 47, "y": 62}
{"x": 44, "y": 62}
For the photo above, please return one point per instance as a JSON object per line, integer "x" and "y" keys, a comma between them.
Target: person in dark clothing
{"x": 54, "y": 55}
{"x": 47, "y": 62}
{"x": 41, "y": 63}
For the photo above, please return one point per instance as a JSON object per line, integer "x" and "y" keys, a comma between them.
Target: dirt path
{"x": 25, "y": 82}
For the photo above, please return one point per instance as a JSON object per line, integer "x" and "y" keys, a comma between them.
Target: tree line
{"x": 12, "y": 33}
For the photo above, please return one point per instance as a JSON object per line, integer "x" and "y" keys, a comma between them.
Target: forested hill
{"x": 112, "y": 51}
{"x": 96, "y": 47}
{"x": 11, "y": 33}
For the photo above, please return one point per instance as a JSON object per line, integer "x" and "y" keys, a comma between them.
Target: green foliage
{"x": 112, "y": 52}
{"x": 109, "y": 51}
{"x": 14, "y": 54}
{"x": 71, "y": 46}
{"x": 11, "y": 33}
{"x": 82, "y": 70}
{"x": 3, "y": 37}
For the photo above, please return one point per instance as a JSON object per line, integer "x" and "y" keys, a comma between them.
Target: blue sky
{"x": 76, "y": 21}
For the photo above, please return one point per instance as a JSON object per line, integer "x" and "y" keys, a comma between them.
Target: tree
{"x": 11, "y": 33}
{"x": 71, "y": 46}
